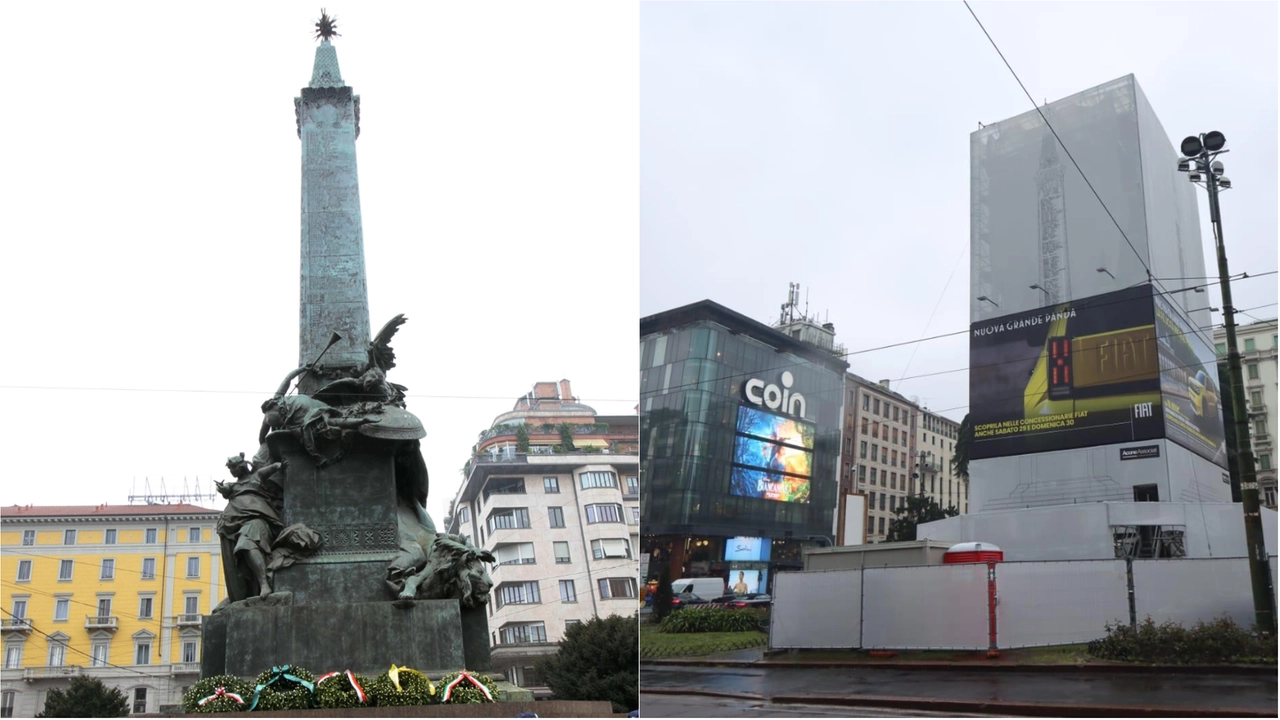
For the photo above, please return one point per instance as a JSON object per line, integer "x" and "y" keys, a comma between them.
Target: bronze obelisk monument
{"x": 335, "y": 296}
{"x": 333, "y": 561}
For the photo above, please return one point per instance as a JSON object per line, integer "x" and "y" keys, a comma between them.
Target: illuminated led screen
{"x": 772, "y": 457}
{"x": 742, "y": 582}
{"x": 749, "y": 549}
{"x": 774, "y": 428}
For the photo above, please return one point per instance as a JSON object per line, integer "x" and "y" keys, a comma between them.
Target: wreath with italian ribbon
{"x": 220, "y": 693}
{"x": 284, "y": 687}
{"x": 343, "y": 690}
{"x": 463, "y": 687}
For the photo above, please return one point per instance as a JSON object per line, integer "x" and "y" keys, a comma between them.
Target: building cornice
{"x": 708, "y": 310}
{"x": 109, "y": 519}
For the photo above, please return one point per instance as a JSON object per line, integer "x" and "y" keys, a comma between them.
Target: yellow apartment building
{"x": 115, "y": 592}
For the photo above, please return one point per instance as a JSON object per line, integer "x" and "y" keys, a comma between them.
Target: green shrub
{"x": 597, "y": 660}
{"x": 695, "y": 620}
{"x": 86, "y": 697}
{"x": 1219, "y": 641}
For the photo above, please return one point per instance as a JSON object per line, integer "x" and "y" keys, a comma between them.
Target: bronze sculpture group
{"x": 352, "y": 401}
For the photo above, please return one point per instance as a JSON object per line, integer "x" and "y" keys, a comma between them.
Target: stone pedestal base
{"x": 363, "y": 637}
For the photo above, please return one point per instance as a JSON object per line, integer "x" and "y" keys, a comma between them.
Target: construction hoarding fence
{"x": 948, "y": 607}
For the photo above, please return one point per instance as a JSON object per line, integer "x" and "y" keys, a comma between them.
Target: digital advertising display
{"x": 772, "y": 457}
{"x": 774, "y": 428}
{"x": 748, "y": 549}
{"x": 1075, "y": 374}
{"x": 742, "y": 582}
{"x": 1189, "y": 383}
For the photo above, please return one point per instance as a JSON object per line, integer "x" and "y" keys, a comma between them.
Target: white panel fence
{"x": 1187, "y": 592}
{"x": 1059, "y": 603}
{"x": 831, "y": 595}
{"x": 1037, "y": 603}
{"x": 925, "y": 607}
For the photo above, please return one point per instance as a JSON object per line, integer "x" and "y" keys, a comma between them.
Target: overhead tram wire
{"x": 1063, "y": 145}
{"x": 1039, "y": 391}
{"x": 936, "y": 305}
{"x": 1088, "y": 303}
{"x": 1055, "y": 136}
{"x": 67, "y": 646}
{"x": 115, "y": 556}
{"x": 272, "y": 392}
{"x": 1077, "y": 305}
{"x": 22, "y": 589}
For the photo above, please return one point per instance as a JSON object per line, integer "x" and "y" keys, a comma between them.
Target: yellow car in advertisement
{"x": 1114, "y": 370}
{"x": 1203, "y": 395}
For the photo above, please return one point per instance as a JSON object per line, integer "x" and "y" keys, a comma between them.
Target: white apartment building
{"x": 935, "y": 447}
{"x": 1258, "y": 363}
{"x": 564, "y": 525}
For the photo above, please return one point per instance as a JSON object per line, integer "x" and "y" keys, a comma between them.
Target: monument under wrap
{"x": 330, "y": 559}
{"x": 1087, "y": 382}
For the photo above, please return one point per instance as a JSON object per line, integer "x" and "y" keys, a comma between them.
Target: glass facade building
{"x": 710, "y": 379}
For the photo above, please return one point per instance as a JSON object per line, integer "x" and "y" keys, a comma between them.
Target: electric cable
{"x": 1084, "y": 305}
{"x": 65, "y": 646}
{"x": 1060, "y": 143}
{"x": 936, "y": 305}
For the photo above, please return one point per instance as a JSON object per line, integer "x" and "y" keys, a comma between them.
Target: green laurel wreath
{"x": 208, "y": 686}
{"x": 285, "y": 687}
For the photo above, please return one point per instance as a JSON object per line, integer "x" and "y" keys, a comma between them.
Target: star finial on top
{"x": 326, "y": 27}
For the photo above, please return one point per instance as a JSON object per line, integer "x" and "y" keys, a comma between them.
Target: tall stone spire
{"x": 335, "y": 296}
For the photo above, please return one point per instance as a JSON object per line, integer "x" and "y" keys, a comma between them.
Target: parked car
{"x": 703, "y": 587}
{"x": 749, "y": 600}
{"x": 688, "y": 599}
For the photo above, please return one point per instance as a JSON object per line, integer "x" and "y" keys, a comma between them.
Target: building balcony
{"x": 510, "y": 651}
{"x": 509, "y": 455}
{"x": 518, "y": 572}
{"x": 185, "y": 668}
{"x": 101, "y": 622}
{"x": 51, "y": 672}
{"x": 547, "y": 432}
{"x": 16, "y": 625}
{"x": 931, "y": 466}
{"x": 187, "y": 620}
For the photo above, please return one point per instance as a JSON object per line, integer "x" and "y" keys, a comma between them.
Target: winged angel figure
{"x": 428, "y": 564}
{"x": 324, "y": 421}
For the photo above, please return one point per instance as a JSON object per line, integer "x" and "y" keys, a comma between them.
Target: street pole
{"x": 1259, "y": 569}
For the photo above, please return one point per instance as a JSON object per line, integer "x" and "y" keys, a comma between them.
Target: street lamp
{"x": 1200, "y": 162}
{"x": 1104, "y": 270}
{"x": 982, "y": 298}
{"x": 1035, "y": 286}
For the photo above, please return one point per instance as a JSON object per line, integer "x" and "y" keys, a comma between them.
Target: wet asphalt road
{"x": 1073, "y": 688}
{"x": 710, "y": 707}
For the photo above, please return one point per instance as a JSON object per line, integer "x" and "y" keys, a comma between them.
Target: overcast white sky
{"x": 151, "y": 223}
{"x": 828, "y": 144}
